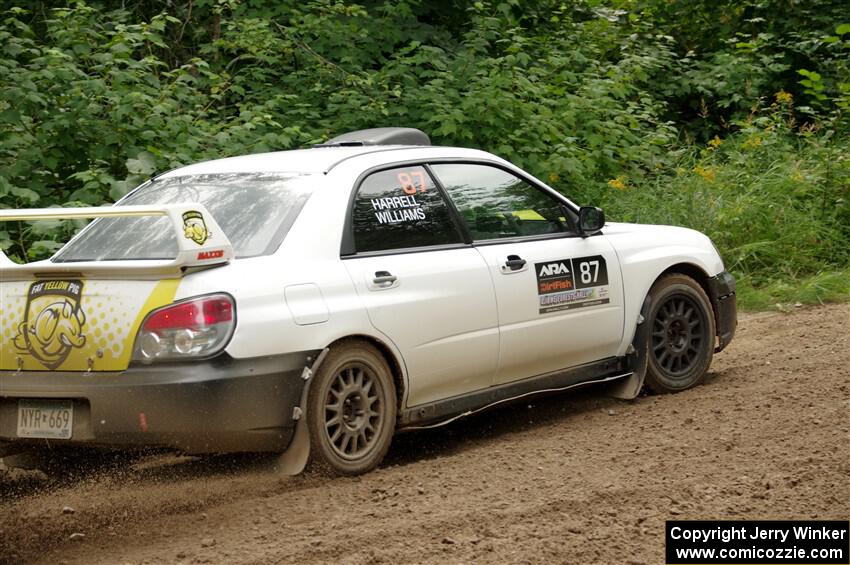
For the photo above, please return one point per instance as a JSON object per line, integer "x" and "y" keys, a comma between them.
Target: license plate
{"x": 48, "y": 419}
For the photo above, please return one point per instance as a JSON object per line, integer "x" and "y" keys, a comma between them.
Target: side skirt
{"x": 442, "y": 412}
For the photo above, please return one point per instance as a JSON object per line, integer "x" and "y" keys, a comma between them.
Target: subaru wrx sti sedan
{"x": 314, "y": 302}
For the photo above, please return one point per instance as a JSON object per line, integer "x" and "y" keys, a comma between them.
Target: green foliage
{"x": 775, "y": 201}
{"x": 736, "y": 54}
{"x": 88, "y": 110}
{"x": 611, "y": 102}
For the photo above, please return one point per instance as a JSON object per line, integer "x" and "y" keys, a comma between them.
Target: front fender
{"x": 646, "y": 252}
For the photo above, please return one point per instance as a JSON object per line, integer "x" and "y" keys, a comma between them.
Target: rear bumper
{"x": 219, "y": 405}
{"x": 722, "y": 289}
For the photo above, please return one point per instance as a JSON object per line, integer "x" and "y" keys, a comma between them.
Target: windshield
{"x": 254, "y": 210}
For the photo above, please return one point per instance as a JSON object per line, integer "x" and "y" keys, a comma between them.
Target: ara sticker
{"x": 53, "y": 322}
{"x": 194, "y": 227}
{"x": 565, "y": 284}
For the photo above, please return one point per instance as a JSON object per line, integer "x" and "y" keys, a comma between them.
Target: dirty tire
{"x": 351, "y": 408}
{"x": 682, "y": 330}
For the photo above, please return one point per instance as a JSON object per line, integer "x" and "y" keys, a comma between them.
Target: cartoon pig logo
{"x": 53, "y": 322}
{"x": 195, "y": 228}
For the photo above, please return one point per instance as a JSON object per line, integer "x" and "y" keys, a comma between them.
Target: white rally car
{"x": 314, "y": 302}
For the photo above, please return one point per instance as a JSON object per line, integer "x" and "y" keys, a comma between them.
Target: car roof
{"x": 318, "y": 159}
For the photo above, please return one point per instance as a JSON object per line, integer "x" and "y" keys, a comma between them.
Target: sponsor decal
{"x": 404, "y": 207}
{"x": 53, "y": 322}
{"x": 215, "y": 254}
{"x": 94, "y": 331}
{"x": 564, "y": 284}
{"x": 194, "y": 227}
{"x": 396, "y": 209}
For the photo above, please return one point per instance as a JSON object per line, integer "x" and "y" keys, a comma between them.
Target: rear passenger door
{"x": 423, "y": 287}
{"x": 559, "y": 296}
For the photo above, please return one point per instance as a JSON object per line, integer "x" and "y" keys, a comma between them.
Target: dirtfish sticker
{"x": 53, "y": 322}
{"x": 572, "y": 283}
{"x": 194, "y": 227}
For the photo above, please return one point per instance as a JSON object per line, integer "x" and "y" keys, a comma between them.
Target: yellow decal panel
{"x": 73, "y": 324}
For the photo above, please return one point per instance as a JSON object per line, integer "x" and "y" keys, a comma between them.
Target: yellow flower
{"x": 752, "y": 142}
{"x": 707, "y": 173}
{"x": 784, "y": 97}
{"x": 715, "y": 143}
{"x": 617, "y": 183}
{"x": 553, "y": 177}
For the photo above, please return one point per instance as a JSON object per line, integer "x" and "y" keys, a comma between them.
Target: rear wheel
{"x": 351, "y": 409}
{"x": 681, "y": 341}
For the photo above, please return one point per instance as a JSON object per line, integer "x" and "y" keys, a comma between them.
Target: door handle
{"x": 384, "y": 278}
{"x": 515, "y": 262}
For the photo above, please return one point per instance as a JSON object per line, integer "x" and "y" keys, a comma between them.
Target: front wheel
{"x": 351, "y": 407}
{"x": 681, "y": 341}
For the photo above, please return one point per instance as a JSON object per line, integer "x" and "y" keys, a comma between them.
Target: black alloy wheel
{"x": 681, "y": 340}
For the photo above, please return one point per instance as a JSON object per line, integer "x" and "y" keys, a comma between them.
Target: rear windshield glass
{"x": 255, "y": 211}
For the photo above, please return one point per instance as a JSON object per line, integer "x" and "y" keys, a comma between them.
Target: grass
{"x": 775, "y": 202}
{"x": 824, "y": 287}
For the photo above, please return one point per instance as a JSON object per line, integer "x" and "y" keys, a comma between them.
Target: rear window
{"x": 254, "y": 210}
{"x": 401, "y": 208}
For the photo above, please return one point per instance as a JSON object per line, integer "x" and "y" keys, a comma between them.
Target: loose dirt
{"x": 578, "y": 478}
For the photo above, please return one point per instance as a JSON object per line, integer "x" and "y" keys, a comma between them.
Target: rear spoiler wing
{"x": 200, "y": 240}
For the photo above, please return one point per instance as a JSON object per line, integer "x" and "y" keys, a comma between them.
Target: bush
{"x": 776, "y": 202}
{"x": 737, "y": 126}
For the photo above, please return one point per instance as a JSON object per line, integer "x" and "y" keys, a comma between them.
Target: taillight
{"x": 190, "y": 329}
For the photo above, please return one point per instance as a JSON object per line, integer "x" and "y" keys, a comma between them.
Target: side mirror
{"x": 590, "y": 220}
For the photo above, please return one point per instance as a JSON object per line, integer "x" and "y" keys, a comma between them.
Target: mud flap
{"x": 295, "y": 458}
{"x": 629, "y": 388}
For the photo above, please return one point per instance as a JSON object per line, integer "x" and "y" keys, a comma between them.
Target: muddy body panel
{"x": 219, "y": 405}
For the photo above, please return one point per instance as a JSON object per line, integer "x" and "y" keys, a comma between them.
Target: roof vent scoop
{"x": 380, "y": 136}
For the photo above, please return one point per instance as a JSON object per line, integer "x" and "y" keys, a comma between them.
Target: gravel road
{"x": 580, "y": 478}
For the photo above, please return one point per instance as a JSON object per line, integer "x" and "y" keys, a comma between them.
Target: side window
{"x": 401, "y": 208}
{"x": 496, "y": 204}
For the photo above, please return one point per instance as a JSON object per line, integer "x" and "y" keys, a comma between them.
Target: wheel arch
{"x": 704, "y": 280}
{"x": 691, "y": 270}
{"x": 699, "y": 275}
{"x": 389, "y": 356}
{"x": 637, "y": 296}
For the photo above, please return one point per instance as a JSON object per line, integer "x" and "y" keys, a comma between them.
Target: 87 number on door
{"x": 592, "y": 271}
{"x": 585, "y": 268}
